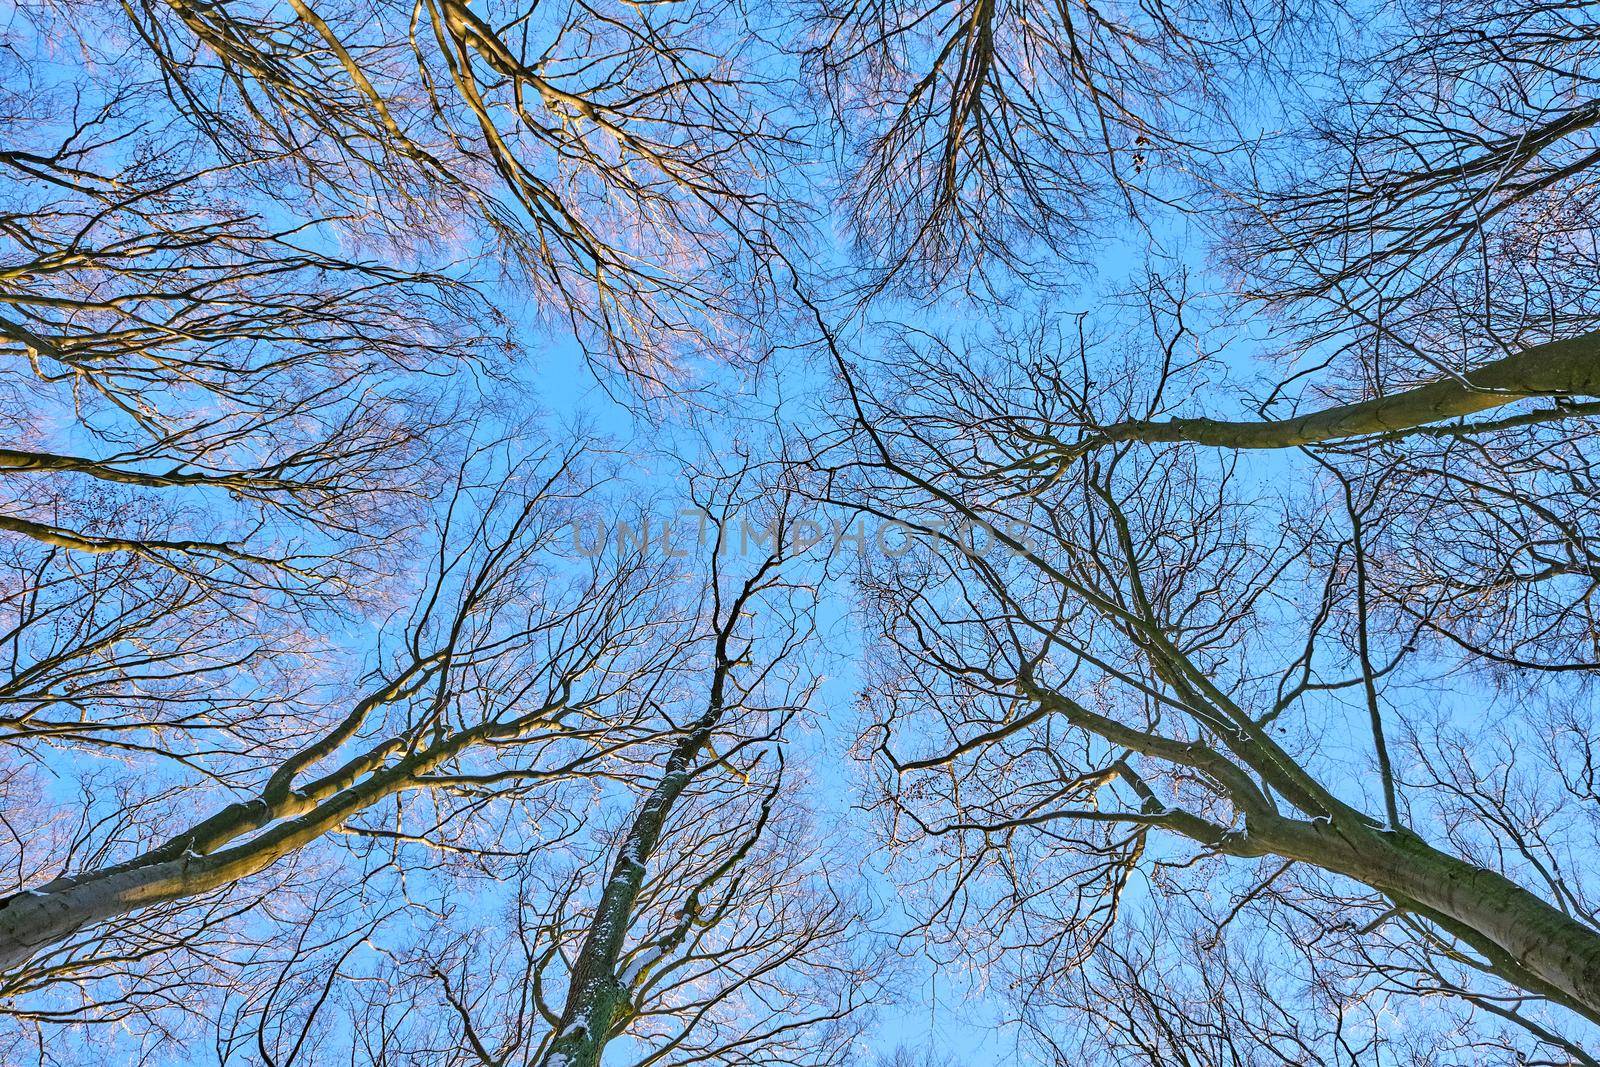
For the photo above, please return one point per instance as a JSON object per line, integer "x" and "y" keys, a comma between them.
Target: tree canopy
{"x": 565, "y": 533}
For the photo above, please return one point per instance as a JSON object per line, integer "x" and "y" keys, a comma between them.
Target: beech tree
{"x": 995, "y": 138}
{"x": 1130, "y": 662}
{"x": 1217, "y": 388}
{"x": 517, "y": 686}
{"x": 1124, "y": 646}
{"x": 603, "y": 985}
{"x": 613, "y": 158}
{"x": 489, "y": 660}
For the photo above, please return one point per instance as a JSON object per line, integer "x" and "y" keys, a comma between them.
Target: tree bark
{"x": 597, "y": 997}
{"x": 1569, "y": 367}
{"x": 203, "y": 857}
{"x": 36, "y": 919}
{"x": 1529, "y": 942}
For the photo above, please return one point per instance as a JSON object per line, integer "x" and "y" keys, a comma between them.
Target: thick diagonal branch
{"x": 1565, "y": 368}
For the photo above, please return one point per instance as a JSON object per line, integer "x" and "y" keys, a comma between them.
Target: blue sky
{"x": 945, "y": 1014}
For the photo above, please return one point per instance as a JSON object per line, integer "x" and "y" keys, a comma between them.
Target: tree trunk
{"x": 201, "y": 859}
{"x": 597, "y": 997}
{"x": 1530, "y": 942}
{"x": 1569, "y": 367}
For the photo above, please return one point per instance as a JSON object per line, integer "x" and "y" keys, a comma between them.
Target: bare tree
{"x": 1475, "y": 531}
{"x": 505, "y": 671}
{"x": 219, "y": 428}
{"x": 739, "y": 946}
{"x": 1131, "y": 665}
{"x": 1224, "y": 690}
{"x": 990, "y": 136}
{"x": 1119, "y": 667}
{"x": 596, "y": 998}
{"x": 519, "y": 694}
{"x": 1424, "y": 229}
{"x": 614, "y": 153}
